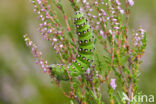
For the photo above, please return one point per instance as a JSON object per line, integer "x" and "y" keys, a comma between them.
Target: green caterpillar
{"x": 85, "y": 51}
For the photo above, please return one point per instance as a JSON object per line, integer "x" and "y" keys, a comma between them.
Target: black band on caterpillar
{"x": 85, "y": 50}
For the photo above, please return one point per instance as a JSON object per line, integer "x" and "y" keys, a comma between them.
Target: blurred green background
{"x": 22, "y": 81}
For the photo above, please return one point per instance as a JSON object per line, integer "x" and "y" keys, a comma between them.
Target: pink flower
{"x": 131, "y": 2}
{"x": 122, "y": 11}
{"x": 113, "y": 84}
{"x": 102, "y": 33}
{"x": 118, "y": 2}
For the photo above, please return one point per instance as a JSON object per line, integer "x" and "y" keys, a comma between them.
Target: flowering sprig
{"x": 37, "y": 54}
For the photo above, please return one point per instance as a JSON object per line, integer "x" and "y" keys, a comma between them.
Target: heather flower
{"x": 37, "y": 54}
{"x": 84, "y": 1}
{"x": 113, "y": 84}
{"x": 88, "y": 71}
{"x": 102, "y": 33}
{"x": 138, "y": 37}
{"x": 131, "y": 2}
{"x": 122, "y": 11}
{"x": 118, "y": 2}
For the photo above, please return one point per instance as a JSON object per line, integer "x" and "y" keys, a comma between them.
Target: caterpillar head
{"x": 79, "y": 16}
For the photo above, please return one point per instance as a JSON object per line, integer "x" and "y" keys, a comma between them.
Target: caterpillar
{"x": 85, "y": 51}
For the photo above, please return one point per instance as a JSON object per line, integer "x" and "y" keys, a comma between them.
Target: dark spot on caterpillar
{"x": 80, "y": 41}
{"x": 84, "y": 31}
{"x": 79, "y": 33}
{"x": 73, "y": 67}
{"x": 75, "y": 19}
{"x": 86, "y": 41}
{"x": 79, "y": 64}
{"x": 88, "y": 60}
{"x": 80, "y": 49}
{"x": 77, "y": 13}
{"x": 77, "y": 26}
{"x": 86, "y": 50}
{"x": 74, "y": 61}
{"x": 84, "y": 58}
{"x": 82, "y": 68}
{"x": 79, "y": 56}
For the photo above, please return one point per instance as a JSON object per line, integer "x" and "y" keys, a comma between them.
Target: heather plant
{"x": 99, "y": 54}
